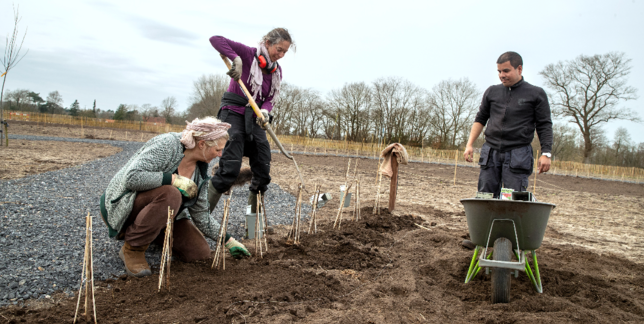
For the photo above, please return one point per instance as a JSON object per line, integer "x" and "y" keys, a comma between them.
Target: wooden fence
{"x": 320, "y": 145}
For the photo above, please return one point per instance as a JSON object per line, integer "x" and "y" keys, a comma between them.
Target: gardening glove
{"x": 266, "y": 119}
{"x": 187, "y": 187}
{"x": 235, "y": 72}
{"x": 237, "y": 250}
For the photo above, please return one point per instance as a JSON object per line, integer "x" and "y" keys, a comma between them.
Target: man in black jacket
{"x": 512, "y": 111}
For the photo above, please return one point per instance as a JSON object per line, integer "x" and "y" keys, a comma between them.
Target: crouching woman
{"x": 170, "y": 170}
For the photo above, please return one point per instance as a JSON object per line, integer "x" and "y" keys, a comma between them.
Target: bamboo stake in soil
{"x": 87, "y": 274}
{"x": 356, "y": 207}
{"x": 338, "y": 218}
{"x": 313, "y": 226}
{"x": 376, "y": 205}
{"x": 166, "y": 254}
{"x": 294, "y": 232}
{"x": 260, "y": 206}
{"x": 534, "y": 185}
{"x": 219, "y": 251}
{"x": 455, "y": 165}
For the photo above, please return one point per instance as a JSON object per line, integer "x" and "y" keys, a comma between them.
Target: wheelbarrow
{"x": 513, "y": 227}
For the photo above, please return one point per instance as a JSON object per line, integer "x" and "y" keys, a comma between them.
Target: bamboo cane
{"x": 219, "y": 251}
{"x": 83, "y": 281}
{"x": 316, "y": 193}
{"x": 292, "y": 232}
{"x": 534, "y": 185}
{"x": 165, "y": 254}
{"x": 87, "y": 318}
{"x": 455, "y": 165}
{"x": 299, "y": 216}
{"x": 91, "y": 259}
{"x": 260, "y": 202}
{"x": 376, "y": 207}
{"x": 258, "y": 243}
{"x": 338, "y": 218}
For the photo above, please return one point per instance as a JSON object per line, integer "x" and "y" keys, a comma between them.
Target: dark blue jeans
{"x": 508, "y": 169}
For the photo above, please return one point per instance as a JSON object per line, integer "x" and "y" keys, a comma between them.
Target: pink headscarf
{"x": 213, "y": 130}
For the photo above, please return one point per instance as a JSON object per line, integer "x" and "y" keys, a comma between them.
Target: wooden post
{"x": 393, "y": 186}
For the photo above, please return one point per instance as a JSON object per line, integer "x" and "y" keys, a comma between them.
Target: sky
{"x": 140, "y": 52}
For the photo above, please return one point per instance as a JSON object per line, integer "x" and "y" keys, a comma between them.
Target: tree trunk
{"x": 588, "y": 147}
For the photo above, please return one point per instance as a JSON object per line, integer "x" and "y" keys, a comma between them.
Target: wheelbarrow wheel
{"x": 501, "y": 277}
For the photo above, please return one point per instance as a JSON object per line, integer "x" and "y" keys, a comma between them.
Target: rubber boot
{"x": 252, "y": 201}
{"x": 134, "y": 259}
{"x": 213, "y": 197}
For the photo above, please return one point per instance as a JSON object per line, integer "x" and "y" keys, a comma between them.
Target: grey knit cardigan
{"x": 149, "y": 168}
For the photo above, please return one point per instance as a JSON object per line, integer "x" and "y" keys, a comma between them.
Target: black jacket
{"x": 513, "y": 114}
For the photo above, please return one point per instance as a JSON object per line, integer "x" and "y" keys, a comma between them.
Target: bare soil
{"x": 384, "y": 269}
{"x": 381, "y": 269}
{"x": 22, "y": 157}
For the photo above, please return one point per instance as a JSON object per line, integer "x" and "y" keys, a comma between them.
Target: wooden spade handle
{"x": 243, "y": 87}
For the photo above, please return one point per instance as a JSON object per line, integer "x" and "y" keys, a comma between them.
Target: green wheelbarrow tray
{"x": 530, "y": 219}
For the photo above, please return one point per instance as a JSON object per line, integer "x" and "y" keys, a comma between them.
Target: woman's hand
{"x": 237, "y": 250}
{"x": 236, "y": 71}
{"x": 187, "y": 187}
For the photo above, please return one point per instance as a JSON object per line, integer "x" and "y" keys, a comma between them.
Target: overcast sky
{"x": 138, "y": 52}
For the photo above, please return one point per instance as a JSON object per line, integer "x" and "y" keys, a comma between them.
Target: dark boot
{"x": 213, "y": 197}
{"x": 134, "y": 259}
{"x": 252, "y": 201}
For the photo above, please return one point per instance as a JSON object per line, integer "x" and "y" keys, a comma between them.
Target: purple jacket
{"x": 233, "y": 49}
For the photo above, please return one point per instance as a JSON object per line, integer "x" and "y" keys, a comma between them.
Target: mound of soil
{"x": 381, "y": 269}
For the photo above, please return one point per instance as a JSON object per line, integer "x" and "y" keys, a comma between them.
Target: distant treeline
{"x": 393, "y": 109}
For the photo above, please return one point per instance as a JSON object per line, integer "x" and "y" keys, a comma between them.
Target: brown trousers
{"x": 147, "y": 222}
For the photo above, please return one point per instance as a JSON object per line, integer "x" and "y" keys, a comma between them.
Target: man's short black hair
{"x": 514, "y": 58}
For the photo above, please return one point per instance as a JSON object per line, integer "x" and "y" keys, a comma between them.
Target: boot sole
{"x": 143, "y": 273}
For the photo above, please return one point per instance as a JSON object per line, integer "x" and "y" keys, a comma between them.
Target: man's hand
{"x": 469, "y": 153}
{"x": 187, "y": 187}
{"x": 236, "y": 71}
{"x": 544, "y": 164}
{"x": 237, "y": 250}
{"x": 261, "y": 122}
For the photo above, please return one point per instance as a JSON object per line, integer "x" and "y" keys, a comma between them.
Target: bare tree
{"x": 18, "y": 99}
{"x": 564, "y": 146}
{"x": 54, "y": 102}
{"x": 168, "y": 107}
{"x": 394, "y": 100}
{"x": 621, "y": 141}
{"x": 284, "y": 109}
{"x": 351, "y": 105}
{"x": 9, "y": 61}
{"x": 206, "y": 95}
{"x": 587, "y": 91}
{"x": 454, "y": 104}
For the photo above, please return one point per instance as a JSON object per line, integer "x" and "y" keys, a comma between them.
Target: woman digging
{"x": 258, "y": 69}
{"x": 170, "y": 170}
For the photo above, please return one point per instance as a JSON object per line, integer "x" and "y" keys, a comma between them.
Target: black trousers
{"x": 255, "y": 147}
{"x": 505, "y": 169}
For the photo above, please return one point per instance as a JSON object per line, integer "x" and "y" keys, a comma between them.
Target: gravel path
{"x": 42, "y": 224}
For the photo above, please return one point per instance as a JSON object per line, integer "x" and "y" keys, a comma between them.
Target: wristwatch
{"x": 547, "y": 154}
